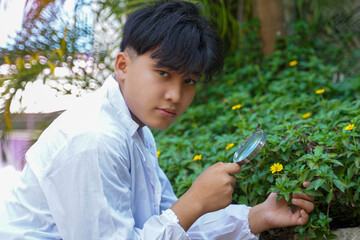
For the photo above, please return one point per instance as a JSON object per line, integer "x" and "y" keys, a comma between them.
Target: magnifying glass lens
{"x": 250, "y": 147}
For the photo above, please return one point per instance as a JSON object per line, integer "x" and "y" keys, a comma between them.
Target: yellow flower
{"x": 349, "y": 127}
{"x": 158, "y": 153}
{"x": 197, "y": 157}
{"x": 306, "y": 115}
{"x": 237, "y": 106}
{"x": 293, "y": 63}
{"x": 277, "y": 167}
{"x": 320, "y": 91}
{"x": 230, "y": 145}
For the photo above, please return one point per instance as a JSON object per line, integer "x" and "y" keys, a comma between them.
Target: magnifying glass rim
{"x": 260, "y": 142}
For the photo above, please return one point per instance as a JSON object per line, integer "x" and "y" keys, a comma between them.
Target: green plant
{"x": 307, "y": 117}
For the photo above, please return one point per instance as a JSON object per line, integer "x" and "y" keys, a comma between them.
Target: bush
{"x": 308, "y": 130}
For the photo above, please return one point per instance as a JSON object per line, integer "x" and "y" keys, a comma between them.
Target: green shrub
{"x": 306, "y": 131}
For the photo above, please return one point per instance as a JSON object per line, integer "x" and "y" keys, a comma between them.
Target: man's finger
{"x": 307, "y": 206}
{"x": 303, "y": 219}
{"x": 306, "y": 183}
{"x": 303, "y": 196}
{"x": 233, "y": 181}
{"x": 232, "y": 168}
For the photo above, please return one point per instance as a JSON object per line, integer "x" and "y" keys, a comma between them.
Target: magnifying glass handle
{"x": 243, "y": 162}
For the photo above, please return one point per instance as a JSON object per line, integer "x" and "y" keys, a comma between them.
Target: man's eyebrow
{"x": 192, "y": 75}
{"x": 195, "y": 74}
{"x": 156, "y": 65}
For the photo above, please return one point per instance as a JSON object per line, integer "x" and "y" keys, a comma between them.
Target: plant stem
{"x": 302, "y": 136}
{"x": 323, "y": 101}
{"x": 260, "y": 76}
{"x": 355, "y": 143}
{"x": 327, "y": 215}
{"x": 241, "y": 119}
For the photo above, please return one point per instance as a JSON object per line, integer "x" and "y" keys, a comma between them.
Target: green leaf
{"x": 304, "y": 177}
{"x": 311, "y": 233}
{"x": 345, "y": 142}
{"x": 331, "y": 236}
{"x": 305, "y": 157}
{"x": 330, "y": 196}
{"x": 349, "y": 153}
{"x": 242, "y": 200}
{"x": 356, "y": 196}
{"x": 270, "y": 178}
{"x": 350, "y": 172}
{"x": 357, "y": 162}
{"x": 314, "y": 193}
{"x": 339, "y": 185}
{"x": 336, "y": 162}
{"x": 287, "y": 196}
{"x": 326, "y": 187}
{"x": 330, "y": 173}
{"x": 311, "y": 164}
{"x": 318, "y": 151}
{"x": 316, "y": 184}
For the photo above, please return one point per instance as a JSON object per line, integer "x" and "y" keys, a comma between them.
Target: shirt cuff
{"x": 247, "y": 225}
{"x": 171, "y": 216}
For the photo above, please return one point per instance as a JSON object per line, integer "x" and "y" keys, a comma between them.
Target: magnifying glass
{"x": 250, "y": 148}
{"x": 252, "y": 145}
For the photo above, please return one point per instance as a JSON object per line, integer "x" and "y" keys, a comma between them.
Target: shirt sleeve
{"x": 168, "y": 197}
{"x": 88, "y": 190}
{"x": 229, "y": 223}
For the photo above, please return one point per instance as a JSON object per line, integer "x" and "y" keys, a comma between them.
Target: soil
{"x": 289, "y": 233}
{"x": 343, "y": 219}
{"x": 278, "y": 234}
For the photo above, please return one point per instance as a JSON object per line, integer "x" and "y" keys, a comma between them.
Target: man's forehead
{"x": 160, "y": 63}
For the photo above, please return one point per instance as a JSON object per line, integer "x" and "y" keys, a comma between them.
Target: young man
{"x": 93, "y": 173}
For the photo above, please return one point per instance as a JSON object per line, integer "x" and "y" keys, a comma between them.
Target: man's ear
{"x": 121, "y": 65}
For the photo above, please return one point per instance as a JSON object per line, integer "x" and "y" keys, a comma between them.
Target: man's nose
{"x": 173, "y": 92}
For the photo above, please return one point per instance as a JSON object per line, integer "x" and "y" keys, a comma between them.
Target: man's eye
{"x": 190, "y": 81}
{"x": 163, "y": 73}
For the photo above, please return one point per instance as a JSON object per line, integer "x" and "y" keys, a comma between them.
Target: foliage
{"x": 316, "y": 147}
{"x": 221, "y": 14}
{"x": 51, "y": 39}
{"x": 333, "y": 20}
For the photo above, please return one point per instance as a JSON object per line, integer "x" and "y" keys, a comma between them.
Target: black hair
{"x": 181, "y": 39}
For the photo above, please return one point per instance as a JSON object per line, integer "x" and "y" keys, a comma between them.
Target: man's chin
{"x": 159, "y": 126}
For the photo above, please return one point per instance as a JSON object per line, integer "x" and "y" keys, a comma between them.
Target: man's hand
{"x": 274, "y": 214}
{"x": 212, "y": 190}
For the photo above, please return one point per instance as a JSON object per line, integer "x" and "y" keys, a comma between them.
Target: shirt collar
{"x": 117, "y": 100}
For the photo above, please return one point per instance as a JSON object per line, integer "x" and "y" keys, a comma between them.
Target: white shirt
{"x": 93, "y": 174}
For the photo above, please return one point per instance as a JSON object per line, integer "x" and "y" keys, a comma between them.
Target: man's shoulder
{"x": 93, "y": 113}
{"x": 79, "y": 130}
{"x": 59, "y": 147}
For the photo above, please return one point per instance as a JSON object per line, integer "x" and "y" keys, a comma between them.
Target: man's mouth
{"x": 167, "y": 112}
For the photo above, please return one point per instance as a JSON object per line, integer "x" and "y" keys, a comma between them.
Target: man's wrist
{"x": 257, "y": 221}
{"x": 187, "y": 211}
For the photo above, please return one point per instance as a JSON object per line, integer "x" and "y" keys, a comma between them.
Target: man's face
{"x": 155, "y": 96}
